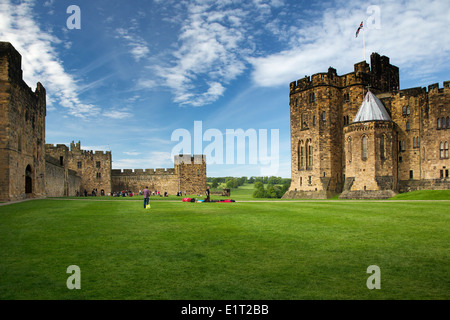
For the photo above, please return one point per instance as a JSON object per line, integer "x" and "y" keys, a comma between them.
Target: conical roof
{"x": 372, "y": 109}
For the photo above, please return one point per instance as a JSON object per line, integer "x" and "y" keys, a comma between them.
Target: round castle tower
{"x": 370, "y": 147}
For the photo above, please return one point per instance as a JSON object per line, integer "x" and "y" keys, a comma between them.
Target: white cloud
{"x": 41, "y": 62}
{"x": 117, "y": 114}
{"x": 139, "y": 47}
{"x": 209, "y": 52}
{"x": 409, "y": 34}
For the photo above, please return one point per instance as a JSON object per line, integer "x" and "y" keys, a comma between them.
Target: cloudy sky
{"x": 140, "y": 75}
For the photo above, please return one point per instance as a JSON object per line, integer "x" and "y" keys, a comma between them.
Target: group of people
{"x": 93, "y": 193}
{"x": 146, "y": 193}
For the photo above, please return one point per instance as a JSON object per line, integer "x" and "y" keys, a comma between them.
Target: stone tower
{"x": 22, "y": 131}
{"x": 191, "y": 172}
{"x": 370, "y": 146}
{"x": 321, "y": 105}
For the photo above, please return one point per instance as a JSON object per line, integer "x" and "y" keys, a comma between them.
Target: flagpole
{"x": 364, "y": 41}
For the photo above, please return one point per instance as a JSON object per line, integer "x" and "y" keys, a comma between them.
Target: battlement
{"x": 141, "y": 172}
{"x": 379, "y": 75}
{"x": 434, "y": 88}
{"x": 11, "y": 61}
{"x": 188, "y": 159}
{"x": 55, "y": 147}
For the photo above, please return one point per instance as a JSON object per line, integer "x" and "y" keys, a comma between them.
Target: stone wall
{"x": 135, "y": 180}
{"x": 22, "y": 131}
{"x": 323, "y": 105}
{"x": 60, "y": 181}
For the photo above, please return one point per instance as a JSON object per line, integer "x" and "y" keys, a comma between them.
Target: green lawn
{"x": 233, "y": 251}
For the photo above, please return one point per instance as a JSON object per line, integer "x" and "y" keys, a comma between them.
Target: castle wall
{"x": 415, "y": 141}
{"x": 60, "y": 181}
{"x": 135, "y": 180}
{"x": 22, "y": 135}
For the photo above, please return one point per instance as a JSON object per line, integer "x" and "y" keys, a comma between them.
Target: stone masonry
{"x": 30, "y": 168}
{"x": 415, "y": 154}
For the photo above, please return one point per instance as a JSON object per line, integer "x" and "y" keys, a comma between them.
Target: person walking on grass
{"x": 146, "y": 194}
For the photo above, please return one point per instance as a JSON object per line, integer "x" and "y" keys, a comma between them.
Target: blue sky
{"x": 137, "y": 71}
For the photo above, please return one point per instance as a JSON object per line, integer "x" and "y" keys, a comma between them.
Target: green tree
{"x": 259, "y": 191}
{"x": 232, "y": 183}
{"x": 215, "y": 183}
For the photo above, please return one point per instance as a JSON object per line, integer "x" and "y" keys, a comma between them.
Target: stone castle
{"x": 31, "y": 168}
{"x": 359, "y": 136}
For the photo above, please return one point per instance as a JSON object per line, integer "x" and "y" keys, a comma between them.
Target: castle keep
{"x": 30, "y": 168}
{"x": 358, "y": 135}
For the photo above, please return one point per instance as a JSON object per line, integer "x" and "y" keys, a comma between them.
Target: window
{"x": 349, "y": 149}
{"x": 324, "y": 116}
{"x": 301, "y": 159}
{"x": 98, "y": 165}
{"x": 364, "y": 148}
{"x": 347, "y": 97}
{"x": 404, "y": 111}
{"x": 439, "y": 123}
{"x": 444, "y": 150}
{"x": 448, "y": 122}
{"x": 403, "y": 146}
{"x": 382, "y": 147}
{"x": 99, "y": 175}
{"x": 301, "y": 181}
{"x": 310, "y": 155}
{"x": 442, "y": 174}
{"x": 446, "y": 173}
{"x": 314, "y": 121}
{"x": 79, "y": 165}
{"x": 198, "y": 172}
{"x": 443, "y": 122}
{"x": 408, "y": 111}
{"x": 310, "y": 180}
{"x": 312, "y": 97}
{"x": 408, "y": 126}
{"x": 61, "y": 161}
{"x": 411, "y": 174}
{"x": 296, "y": 102}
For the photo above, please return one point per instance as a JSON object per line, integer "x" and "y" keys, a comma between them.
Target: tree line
{"x": 276, "y": 187}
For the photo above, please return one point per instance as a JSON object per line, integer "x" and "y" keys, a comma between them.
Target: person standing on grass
{"x": 207, "y": 195}
{"x": 146, "y": 194}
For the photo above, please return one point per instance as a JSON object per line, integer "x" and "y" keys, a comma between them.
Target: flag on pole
{"x": 360, "y": 27}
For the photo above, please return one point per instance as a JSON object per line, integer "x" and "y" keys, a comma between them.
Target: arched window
{"x": 439, "y": 123}
{"x": 448, "y": 122}
{"x": 310, "y": 154}
{"x": 408, "y": 111}
{"x": 408, "y": 126}
{"x": 364, "y": 148}
{"x": 404, "y": 111}
{"x": 443, "y": 123}
{"x": 382, "y": 147}
{"x": 301, "y": 155}
{"x": 446, "y": 150}
{"x": 442, "y": 150}
{"x": 349, "y": 149}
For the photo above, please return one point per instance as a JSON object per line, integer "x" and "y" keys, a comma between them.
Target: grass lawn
{"x": 233, "y": 251}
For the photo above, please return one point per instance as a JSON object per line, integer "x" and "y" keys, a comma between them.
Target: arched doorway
{"x": 28, "y": 180}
